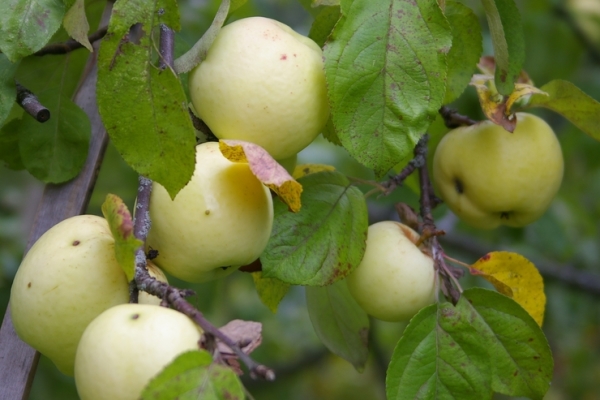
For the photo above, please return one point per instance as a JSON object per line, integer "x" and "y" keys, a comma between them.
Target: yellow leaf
{"x": 307, "y": 169}
{"x": 265, "y": 168}
{"x": 514, "y": 276}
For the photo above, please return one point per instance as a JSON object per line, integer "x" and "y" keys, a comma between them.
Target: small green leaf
{"x": 143, "y": 108}
{"x": 323, "y": 242}
{"x": 506, "y": 31}
{"x": 192, "y": 376}
{"x": 76, "y": 24}
{"x": 520, "y": 356}
{"x": 385, "y": 64}
{"x": 27, "y": 25}
{"x": 466, "y": 48}
{"x": 8, "y": 90}
{"x": 9, "y": 144}
{"x": 198, "y": 52}
{"x": 55, "y": 151}
{"x": 121, "y": 226}
{"x": 323, "y": 24}
{"x": 339, "y": 322}
{"x": 440, "y": 356}
{"x": 572, "y": 103}
{"x": 270, "y": 290}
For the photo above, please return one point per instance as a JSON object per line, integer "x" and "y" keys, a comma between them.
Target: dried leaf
{"x": 266, "y": 169}
{"x": 514, "y": 276}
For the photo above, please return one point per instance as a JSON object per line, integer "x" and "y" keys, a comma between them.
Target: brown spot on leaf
{"x": 486, "y": 257}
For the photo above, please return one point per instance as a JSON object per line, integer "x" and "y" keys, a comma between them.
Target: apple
{"x": 220, "y": 221}
{"x": 69, "y": 276}
{"x": 490, "y": 177}
{"x": 263, "y": 83}
{"x": 126, "y": 346}
{"x": 395, "y": 278}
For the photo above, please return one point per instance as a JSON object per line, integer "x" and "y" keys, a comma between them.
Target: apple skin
{"x": 126, "y": 346}
{"x": 263, "y": 83}
{"x": 69, "y": 276}
{"x": 489, "y": 177}
{"x": 395, "y": 279}
{"x": 222, "y": 218}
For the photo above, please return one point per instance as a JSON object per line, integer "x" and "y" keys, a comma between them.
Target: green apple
{"x": 126, "y": 346}
{"x": 263, "y": 83}
{"x": 220, "y": 221}
{"x": 68, "y": 277}
{"x": 395, "y": 279}
{"x": 489, "y": 176}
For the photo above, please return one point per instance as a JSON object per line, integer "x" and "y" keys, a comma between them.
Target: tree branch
{"x": 452, "y": 119}
{"x": 70, "y": 45}
{"x": 31, "y": 104}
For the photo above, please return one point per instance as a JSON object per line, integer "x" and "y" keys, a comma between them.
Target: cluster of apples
{"x": 261, "y": 82}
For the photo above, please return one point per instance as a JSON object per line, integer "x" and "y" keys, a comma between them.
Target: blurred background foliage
{"x": 563, "y": 42}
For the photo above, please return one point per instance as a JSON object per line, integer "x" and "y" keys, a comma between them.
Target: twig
{"x": 453, "y": 119}
{"x": 31, "y": 104}
{"x": 418, "y": 161}
{"x": 166, "y": 47}
{"x": 69, "y": 45}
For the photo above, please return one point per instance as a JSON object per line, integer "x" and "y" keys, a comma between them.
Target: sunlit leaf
{"x": 385, "y": 64}
{"x": 572, "y": 103}
{"x": 270, "y": 290}
{"x": 266, "y": 169}
{"x": 341, "y": 324}
{"x": 323, "y": 242}
{"x": 440, "y": 356}
{"x": 144, "y": 108}
{"x": 193, "y": 376}
{"x": 27, "y": 25}
{"x": 514, "y": 276}
{"x": 121, "y": 226}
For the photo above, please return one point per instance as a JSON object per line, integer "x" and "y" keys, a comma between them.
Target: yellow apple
{"x": 263, "y": 83}
{"x": 126, "y": 346}
{"x": 489, "y": 176}
{"x": 68, "y": 277}
{"x": 220, "y": 221}
{"x": 395, "y": 279}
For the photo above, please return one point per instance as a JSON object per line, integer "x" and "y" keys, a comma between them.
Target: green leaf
{"x": 192, "y": 376}
{"x": 27, "y": 25}
{"x": 143, "y": 108}
{"x": 385, "y": 65}
{"x": 121, "y": 226}
{"x": 76, "y": 24}
{"x": 56, "y": 150}
{"x": 9, "y": 144}
{"x": 270, "y": 290}
{"x": 466, "y": 48}
{"x": 507, "y": 36}
{"x": 340, "y": 323}
{"x": 8, "y": 90}
{"x": 440, "y": 356}
{"x": 323, "y": 24}
{"x": 323, "y": 242}
{"x": 520, "y": 356}
{"x": 572, "y": 103}
{"x": 198, "y": 52}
